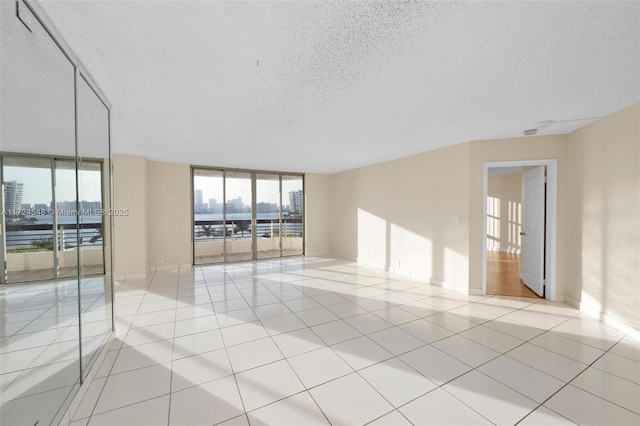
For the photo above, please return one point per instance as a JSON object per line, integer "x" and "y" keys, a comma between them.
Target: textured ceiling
{"x": 329, "y": 86}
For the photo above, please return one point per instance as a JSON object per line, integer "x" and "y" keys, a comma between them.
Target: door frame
{"x": 551, "y": 215}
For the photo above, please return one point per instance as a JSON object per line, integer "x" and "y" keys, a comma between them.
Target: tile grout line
{"x": 340, "y": 318}
{"x": 173, "y": 346}
{"x": 570, "y": 383}
{"x": 92, "y": 413}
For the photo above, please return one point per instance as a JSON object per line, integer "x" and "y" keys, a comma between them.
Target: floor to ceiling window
{"x": 244, "y": 215}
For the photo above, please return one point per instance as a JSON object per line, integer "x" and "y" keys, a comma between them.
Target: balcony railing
{"x": 40, "y": 236}
{"x": 241, "y": 229}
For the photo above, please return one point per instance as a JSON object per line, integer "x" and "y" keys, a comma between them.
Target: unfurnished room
{"x": 319, "y": 212}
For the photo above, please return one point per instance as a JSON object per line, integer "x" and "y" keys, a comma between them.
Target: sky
{"x": 37, "y": 184}
{"x": 267, "y": 190}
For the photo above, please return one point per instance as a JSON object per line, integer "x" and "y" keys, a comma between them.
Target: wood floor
{"x": 503, "y": 275}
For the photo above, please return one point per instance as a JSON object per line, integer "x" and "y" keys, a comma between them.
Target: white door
{"x": 533, "y": 206}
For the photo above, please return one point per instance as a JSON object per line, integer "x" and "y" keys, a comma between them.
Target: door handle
{"x": 523, "y": 233}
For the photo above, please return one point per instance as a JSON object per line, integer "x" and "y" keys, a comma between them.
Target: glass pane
{"x": 95, "y": 286}
{"x": 37, "y": 83}
{"x": 208, "y": 239}
{"x": 28, "y": 219}
{"x": 37, "y": 112}
{"x": 66, "y": 218}
{"x": 238, "y": 216}
{"x": 268, "y": 215}
{"x": 292, "y": 215}
{"x": 91, "y": 218}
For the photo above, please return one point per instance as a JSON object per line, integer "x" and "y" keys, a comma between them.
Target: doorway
{"x": 510, "y": 250}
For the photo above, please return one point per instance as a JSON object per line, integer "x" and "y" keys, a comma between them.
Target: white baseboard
{"x": 607, "y": 319}
{"x": 458, "y": 288}
{"x": 572, "y": 302}
{"x": 408, "y": 274}
{"x": 474, "y": 292}
{"x": 319, "y": 253}
{"x": 505, "y": 250}
{"x": 443, "y": 284}
{"x": 124, "y": 277}
{"x": 405, "y": 273}
{"x": 157, "y": 268}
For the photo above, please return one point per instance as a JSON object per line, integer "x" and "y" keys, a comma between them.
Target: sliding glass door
{"x": 241, "y": 215}
{"x": 28, "y": 219}
{"x": 208, "y": 216}
{"x": 65, "y": 218}
{"x": 43, "y": 227}
{"x": 238, "y": 216}
{"x": 292, "y": 217}
{"x": 268, "y": 208}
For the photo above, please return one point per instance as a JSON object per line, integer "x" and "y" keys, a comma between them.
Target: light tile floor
{"x": 48, "y": 273}
{"x": 40, "y": 346}
{"x": 306, "y": 341}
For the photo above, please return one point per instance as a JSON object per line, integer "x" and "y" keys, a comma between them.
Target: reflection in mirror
{"x": 66, "y": 220}
{"x": 28, "y": 219}
{"x": 93, "y": 222}
{"x": 37, "y": 86}
{"x": 39, "y": 333}
{"x": 267, "y": 215}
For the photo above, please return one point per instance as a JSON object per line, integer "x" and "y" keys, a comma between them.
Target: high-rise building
{"x": 198, "y": 197}
{"x": 295, "y": 202}
{"x": 266, "y": 208}
{"x": 13, "y": 197}
{"x": 235, "y": 205}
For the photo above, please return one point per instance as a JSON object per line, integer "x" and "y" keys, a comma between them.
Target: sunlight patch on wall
{"x": 372, "y": 239}
{"x": 493, "y": 223}
{"x": 455, "y": 269}
{"x": 411, "y": 252}
{"x": 515, "y": 224}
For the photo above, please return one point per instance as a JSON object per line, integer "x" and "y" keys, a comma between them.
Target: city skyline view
{"x": 267, "y": 190}
{"x": 37, "y": 184}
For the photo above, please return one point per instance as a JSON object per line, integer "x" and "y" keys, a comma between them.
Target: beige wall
{"x": 603, "y": 216}
{"x": 401, "y": 215}
{"x": 157, "y": 196}
{"x": 504, "y": 212}
{"x": 130, "y": 193}
{"x": 169, "y": 219}
{"x": 317, "y": 208}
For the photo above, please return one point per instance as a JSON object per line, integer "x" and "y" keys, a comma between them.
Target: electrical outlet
{"x": 161, "y": 259}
